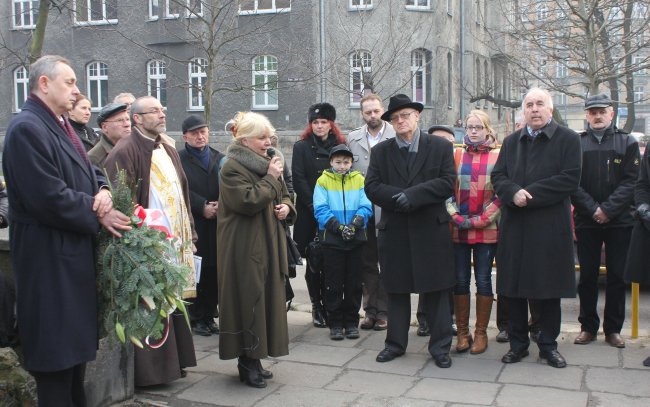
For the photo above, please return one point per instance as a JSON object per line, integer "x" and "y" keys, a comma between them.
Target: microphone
{"x": 270, "y": 152}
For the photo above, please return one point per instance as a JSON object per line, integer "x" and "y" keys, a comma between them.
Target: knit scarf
{"x": 202, "y": 155}
{"x": 478, "y": 146}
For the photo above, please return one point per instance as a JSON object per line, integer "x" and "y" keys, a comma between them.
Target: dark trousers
{"x": 421, "y": 315}
{"x": 438, "y": 316}
{"x": 374, "y": 295}
{"x": 590, "y": 242}
{"x": 63, "y": 388}
{"x": 503, "y": 314}
{"x": 550, "y": 316}
{"x": 342, "y": 297}
{"x": 207, "y": 293}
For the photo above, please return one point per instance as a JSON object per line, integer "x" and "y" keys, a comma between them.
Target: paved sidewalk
{"x": 321, "y": 372}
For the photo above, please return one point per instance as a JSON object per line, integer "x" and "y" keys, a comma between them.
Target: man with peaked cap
{"x": 115, "y": 123}
{"x": 410, "y": 177}
{"x": 603, "y": 215}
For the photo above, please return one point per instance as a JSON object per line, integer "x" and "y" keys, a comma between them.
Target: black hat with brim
{"x": 601, "y": 100}
{"x": 399, "y": 102}
{"x": 192, "y": 123}
{"x": 341, "y": 149}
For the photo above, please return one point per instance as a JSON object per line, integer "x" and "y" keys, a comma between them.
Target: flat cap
{"x": 601, "y": 100}
{"x": 341, "y": 149}
{"x": 441, "y": 127}
{"x": 192, "y": 123}
{"x": 109, "y": 110}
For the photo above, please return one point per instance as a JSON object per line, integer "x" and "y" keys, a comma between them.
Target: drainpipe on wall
{"x": 321, "y": 29}
{"x": 461, "y": 34}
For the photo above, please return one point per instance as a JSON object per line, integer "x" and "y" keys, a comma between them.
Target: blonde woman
{"x": 474, "y": 209}
{"x": 251, "y": 250}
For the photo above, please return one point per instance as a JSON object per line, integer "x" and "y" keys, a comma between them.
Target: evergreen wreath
{"x": 140, "y": 282}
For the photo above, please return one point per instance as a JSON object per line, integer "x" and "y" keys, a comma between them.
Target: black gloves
{"x": 402, "y": 203}
{"x": 348, "y": 232}
{"x": 334, "y": 226}
{"x": 357, "y": 221}
{"x": 643, "y": 212}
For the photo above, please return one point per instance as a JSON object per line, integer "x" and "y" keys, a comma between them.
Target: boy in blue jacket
{"x": 342, "y": 211}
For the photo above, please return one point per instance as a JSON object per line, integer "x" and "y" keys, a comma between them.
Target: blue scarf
{"x": 202, "y": 155}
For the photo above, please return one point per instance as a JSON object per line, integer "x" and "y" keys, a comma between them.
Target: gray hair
{"x": 547, "y": 96}
{"x": 136, "y": 107}
{"x": 45, "y": 66}
{"x": 117, "y": 98}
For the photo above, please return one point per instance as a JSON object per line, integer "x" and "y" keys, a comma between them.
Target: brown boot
{"x": 461, "y": 309}
{"x": 483, "y": 310}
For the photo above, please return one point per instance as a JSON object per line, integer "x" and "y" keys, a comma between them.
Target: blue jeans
{"x": 483, "y": 258}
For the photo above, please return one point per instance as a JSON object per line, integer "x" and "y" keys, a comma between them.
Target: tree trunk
{"x": 36, "y": 45}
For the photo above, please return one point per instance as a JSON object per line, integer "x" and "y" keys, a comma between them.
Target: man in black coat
{"x": 537, "y": 171}
{"x": 603, "y": 215}
{"x": 201, "y": 165}
{"x": 57, "y": 204}
{"x": 410, "y": 176}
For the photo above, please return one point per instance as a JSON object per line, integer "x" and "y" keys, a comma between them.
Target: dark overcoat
{"x": 415, "y": 248}
{"x": 535, "y": 252}
{"x": 309, "y": 160}
{"x": 251, "y": 258}
{"x": 204, "y": 187}
{"x": 52, "y": 232}
{"x": 637, "y": 268}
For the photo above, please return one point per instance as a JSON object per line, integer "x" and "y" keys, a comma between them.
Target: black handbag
{"x": 314, "y": 253}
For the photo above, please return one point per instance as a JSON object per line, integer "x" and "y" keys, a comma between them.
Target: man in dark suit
{"x": 410, "y": 177}
{"x": 537, "y": 171}
{"x": 57, "y": 204}
{"x": 201, "y": 165}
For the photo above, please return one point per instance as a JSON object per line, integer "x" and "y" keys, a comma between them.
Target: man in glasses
{"x": 115, "y": 123}
{"x": 155, "y": 174}
{"x": 410, "y": 177}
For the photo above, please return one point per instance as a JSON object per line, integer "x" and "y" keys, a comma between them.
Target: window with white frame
{"x": 97, "y": 77}
{"x": 360, "y": 69}
{"x": 559, "y": 99}
{"x": 264, "y": 6}
{"x": 639, "y": 92}
{"x": 420, "y": 76}
{"x": 418, "y": 4}
{"x": 560, "y": 70}
{"x": 94, "y": 12}
{"x": 172, "y": 9}
{"x": 157, "y": 81}
{"x": 25, "y": 13}
{"x": 449, "y": 81}
{"x": 197, "y": 72}
{"x": 265, "y": 82}
{"x": 194, "y": 8}
{"x": 154, "y": 9}
{"x": 21, "y": 87}
{"x": 638, "y": 60}
{"x": 360, "y": 4}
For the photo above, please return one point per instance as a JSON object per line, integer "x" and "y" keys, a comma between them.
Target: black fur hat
{"x": 322, "y": 111}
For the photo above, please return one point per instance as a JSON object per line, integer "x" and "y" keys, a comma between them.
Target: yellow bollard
{"x": 635, "y": 310}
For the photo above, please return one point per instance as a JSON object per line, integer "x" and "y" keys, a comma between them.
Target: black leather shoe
{"x": 200, "y": 328}
{"x": 514, "y": 357}
{"x": 212, "y": 326}
{"x": 249, "y": 374}
{"x": 584, "y": 338}
{"x": 553, "y": 358}
{"x": 423, "y": 329}
{"x": 387, "y": 355}
{"x": 318, "y": 317}
{"x": 615, "y": 340}
{"x": 336, "y": 334}
{"x": 352, "y": 332}
{"x": 442, "y": 361}
{"x": 502, "y": 337}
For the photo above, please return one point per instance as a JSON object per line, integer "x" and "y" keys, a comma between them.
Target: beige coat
{"x": 251, "y": 258}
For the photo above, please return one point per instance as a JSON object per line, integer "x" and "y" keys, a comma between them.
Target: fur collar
{"x": 249, "y": 159}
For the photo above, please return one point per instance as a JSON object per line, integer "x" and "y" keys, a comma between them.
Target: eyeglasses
{"x": 472, "y": 128}
{"x": 154, "y": 111}
{"x": 124, "y": 120}
{"x": 403, "y": 116}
